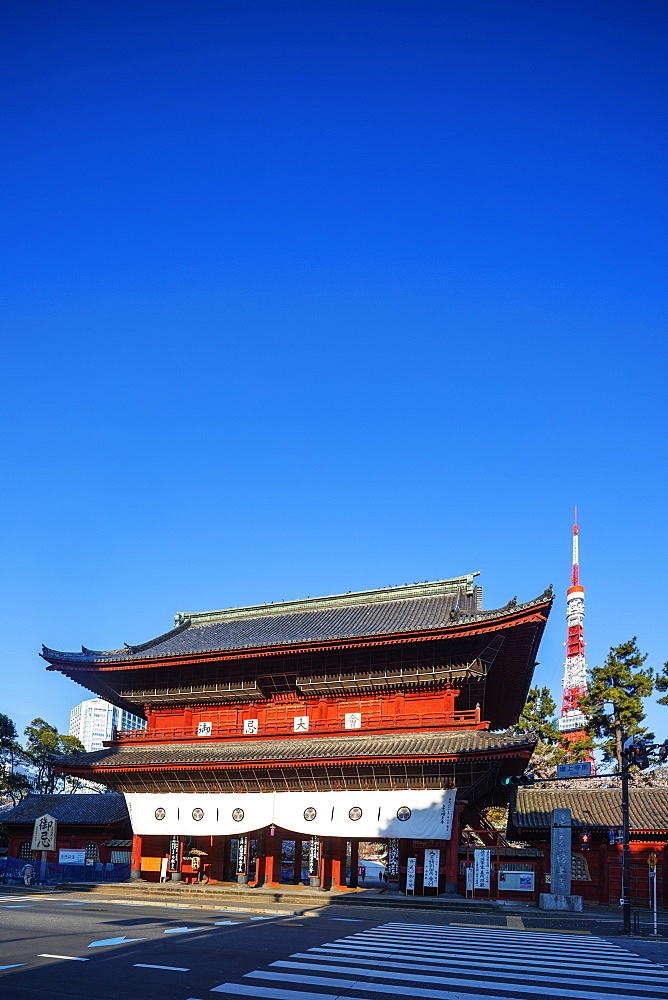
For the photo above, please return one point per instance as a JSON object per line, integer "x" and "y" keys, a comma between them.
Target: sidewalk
{"x": 305, "y": 897}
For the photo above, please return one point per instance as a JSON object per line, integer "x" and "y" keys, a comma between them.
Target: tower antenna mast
{"x": 572, "y": 722}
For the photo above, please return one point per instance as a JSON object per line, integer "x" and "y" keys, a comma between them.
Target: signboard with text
{"x": 71, "y": 857}
{"x": 174, "y": 855}
{"x": 411, "y": 864}
{"x": 574, "y": 770}
{"x": 432, "y": 860}
{"x": 481, "y": 868}
{"x": 44, "y": 833}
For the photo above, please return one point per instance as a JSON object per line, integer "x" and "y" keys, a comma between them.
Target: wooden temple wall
{"x": 282, "y": 715}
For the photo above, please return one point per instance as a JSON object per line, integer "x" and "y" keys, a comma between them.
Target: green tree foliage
{"x": 623, "y": 683}
{"x": 13, "y": 784}
{"x": 538, "y": 716}
{"x": 44, "y": 745}
{"x": 661, "y": 683}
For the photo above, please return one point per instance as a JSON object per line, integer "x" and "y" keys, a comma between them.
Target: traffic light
{"x": 636, "y": 753}
{"x": 518, "y": 779}
{"x": 663, "y": 751}
{"x": 585, "y": 841}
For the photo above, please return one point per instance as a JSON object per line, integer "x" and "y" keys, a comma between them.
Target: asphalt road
{"x": 67, "y": 945}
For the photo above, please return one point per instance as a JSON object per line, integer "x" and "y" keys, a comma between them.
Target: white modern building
{"x": 94, "y": 721}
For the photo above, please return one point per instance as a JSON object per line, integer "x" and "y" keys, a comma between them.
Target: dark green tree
{"x": 538, "y": 716}
{"x": 44, "y": 745}
{"x": 13, "y": 784}
{"x": 661, "y": 683}
{"x": 623, "y": 683}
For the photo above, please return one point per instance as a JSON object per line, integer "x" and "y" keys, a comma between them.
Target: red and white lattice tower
{"x": 572, "y": 721}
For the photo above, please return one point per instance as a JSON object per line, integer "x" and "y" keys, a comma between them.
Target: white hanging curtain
{"x": 424, "y": 814}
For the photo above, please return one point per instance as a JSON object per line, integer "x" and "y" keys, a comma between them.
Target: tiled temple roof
{"x": 595, "y": 807}
{"x": 385, "y": 745}
{"x": 418, "y": 608}
{"x": 72, "y": 809}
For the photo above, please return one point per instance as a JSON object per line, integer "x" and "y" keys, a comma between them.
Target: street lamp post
{"x": 626, "y": 850}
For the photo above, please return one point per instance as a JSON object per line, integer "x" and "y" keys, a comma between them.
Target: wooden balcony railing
{"x": 371, "y": 722}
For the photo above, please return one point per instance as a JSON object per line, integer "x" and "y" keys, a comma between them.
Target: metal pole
{"x": 655, "y": 931}
{"x": 626, "y": 853}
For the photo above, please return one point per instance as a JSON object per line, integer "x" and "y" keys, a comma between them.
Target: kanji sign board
{"x": 481, "y": 868}
{"x": 580, "y": 769}
{"x": 44, "y": 833}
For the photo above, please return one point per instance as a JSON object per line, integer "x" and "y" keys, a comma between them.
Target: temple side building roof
{"x": 70, "y": 809}
{"x": 530, "y": 808}
{"x": 394, "y": 746}
{"x": 417, "y": 608}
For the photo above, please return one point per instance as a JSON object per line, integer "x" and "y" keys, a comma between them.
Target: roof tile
{"x": 595, "y": 807}
{"x": 93, "y": 809}
{"x": 320, "y": 624}
{"x": 335, "y": 747}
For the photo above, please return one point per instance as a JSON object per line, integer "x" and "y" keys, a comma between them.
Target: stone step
{"x": 305, "y": 898}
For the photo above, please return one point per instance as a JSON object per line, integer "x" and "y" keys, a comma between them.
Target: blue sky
{"x": 305, "y": 298}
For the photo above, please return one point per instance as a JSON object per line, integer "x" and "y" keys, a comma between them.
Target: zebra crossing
{"x": 456, "y": 963}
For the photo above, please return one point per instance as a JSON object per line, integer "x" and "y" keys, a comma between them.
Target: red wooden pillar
{"x": 452, "y": 863}
{"x": 338, "y": 862}
{"x": 272, "y": 859}
{"x": 135, "y": 862}
{"x": 354, "y": 862}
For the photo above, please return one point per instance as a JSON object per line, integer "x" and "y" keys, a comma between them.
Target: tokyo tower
{"x": 572, "y": 722}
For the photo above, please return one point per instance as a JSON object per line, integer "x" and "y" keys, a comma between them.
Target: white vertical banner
{"x": 469, "y": 879}
{"x": 432, "y": 860}
{"x": 411, "y": 864}
{"x": 481, "y": 868}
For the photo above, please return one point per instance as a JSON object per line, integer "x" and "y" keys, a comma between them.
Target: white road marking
{"x": 499, "y": 933}
{"x": 219, "y": 923}
{"x": 509, "y": 936}
{"x": 18, "y": 906}
{"x": 466, "y": 964}
{"x": 66, "y": 958}
{"x": 242, "y": 990}
{"x": 623, "y": 971}
{"x": 181, "y": 930}
{"x": 103, "y": 942}
{"x": 485, "y": 957}
{"x": 423, "y": 992}
{"x": 169, "y": 968}
{"x": 483, "y": 948}
{"x": 561, "y": 981}
{"x": 349, "y": 920}
{"x": 12, "y": 966}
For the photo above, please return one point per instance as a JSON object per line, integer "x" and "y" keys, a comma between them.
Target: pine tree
{"x": 538, "y": 716}
{"x": 622, "y": 682}
{"x": 661, "y": 684}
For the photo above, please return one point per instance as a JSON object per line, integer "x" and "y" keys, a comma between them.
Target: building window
{"x": 92, "y": 853}
{"x": 25, "y": 851}
{"x": 580, "y": 868}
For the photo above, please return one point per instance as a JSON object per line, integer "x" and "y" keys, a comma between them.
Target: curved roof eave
{"x": 456, "y": 620}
